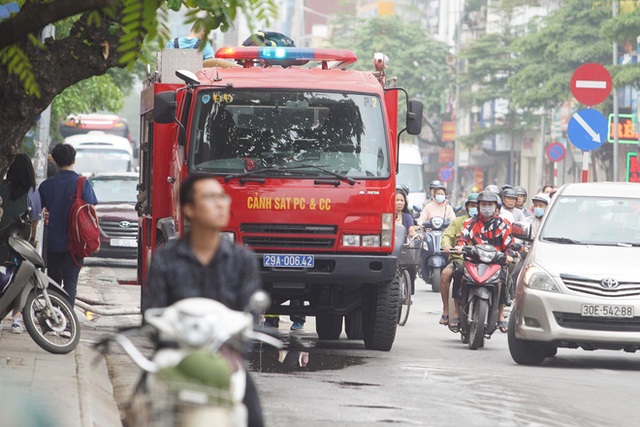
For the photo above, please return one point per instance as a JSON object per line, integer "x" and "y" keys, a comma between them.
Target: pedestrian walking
{"x": 57, "y": 194}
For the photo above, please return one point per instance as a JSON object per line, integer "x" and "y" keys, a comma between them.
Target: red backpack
{"x": 84, "y": 231}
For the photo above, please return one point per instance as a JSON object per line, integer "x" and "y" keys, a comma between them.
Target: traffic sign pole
{"x": 585, "y": 166}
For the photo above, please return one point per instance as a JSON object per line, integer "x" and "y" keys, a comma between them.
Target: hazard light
{"x": 286, "y": 54}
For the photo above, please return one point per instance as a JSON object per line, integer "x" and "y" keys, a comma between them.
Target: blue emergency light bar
{"x": 274, "y": 54}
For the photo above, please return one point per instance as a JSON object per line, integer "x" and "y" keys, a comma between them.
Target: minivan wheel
{"x": 525, "y": 352}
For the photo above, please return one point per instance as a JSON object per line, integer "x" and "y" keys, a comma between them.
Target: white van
{"x": 411, "y": 174}
{"x": 98, "y": 151}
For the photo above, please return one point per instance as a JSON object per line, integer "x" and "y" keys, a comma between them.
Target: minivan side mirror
{"x": 521, "y": 230}
{"x": 164, "y": 107}
{"x": 414, "y": 117}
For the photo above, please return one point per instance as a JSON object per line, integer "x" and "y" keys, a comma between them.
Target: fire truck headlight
{"x": 386, "y": 238}
{"x": 350, "y": 240}
{"x": 229, "y": 235}
{"x": 387, "y": 221}
{"x": 372, "y": 241}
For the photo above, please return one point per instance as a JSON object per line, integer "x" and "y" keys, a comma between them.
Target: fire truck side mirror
{"x": 164, "y": 107}
{"x": 414, "y": 117}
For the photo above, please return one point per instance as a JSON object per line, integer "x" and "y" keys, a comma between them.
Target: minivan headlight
{"x": 537, "y": 278}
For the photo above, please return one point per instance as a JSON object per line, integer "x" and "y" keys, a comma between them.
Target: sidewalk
{"x": 68, "y": 390}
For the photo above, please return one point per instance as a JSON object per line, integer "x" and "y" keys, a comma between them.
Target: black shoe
{"x": 271, "y": 322}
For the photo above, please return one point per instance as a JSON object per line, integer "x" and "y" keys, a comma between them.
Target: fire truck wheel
{"x": 353, "y": 325}
{"x": 328, "y": 326}
{"x": 380, "y": 322}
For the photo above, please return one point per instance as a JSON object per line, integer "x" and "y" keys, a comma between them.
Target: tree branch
{"x": 34, "y": 16}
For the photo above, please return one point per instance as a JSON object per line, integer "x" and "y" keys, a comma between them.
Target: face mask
{"x": 487, "y": 211}
{"x": 440, "y": 198}
{"x": 473, "y": 211}
{"x": 538, "y": 212}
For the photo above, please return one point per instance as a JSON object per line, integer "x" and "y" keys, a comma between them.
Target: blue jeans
{"x": 64, "y": 271}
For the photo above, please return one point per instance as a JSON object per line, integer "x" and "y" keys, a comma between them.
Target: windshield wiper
{"x": 564, "y": 240}
{"x": 271, "y": 169}
{"x": 348, "y": 179}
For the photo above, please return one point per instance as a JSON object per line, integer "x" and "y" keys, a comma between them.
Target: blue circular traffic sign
{"x": 555, "y": 151}
{"x": 587, "y": 129}
{"x": 445, "y": 174}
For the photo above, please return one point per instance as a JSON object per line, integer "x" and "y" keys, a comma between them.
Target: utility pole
{"x": 456, "y": 146}
{"x": 41, "y": 141}
{"x": 615, "y": 104}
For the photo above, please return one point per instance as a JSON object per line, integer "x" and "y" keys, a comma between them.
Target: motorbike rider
{"x": 449, "y": 238}
{"x": 522, "y": 199}
{"x": 540, "y": 203}
{"x": 487, "y": 228}
{"x": 509, "y": 199}
{"x": 203, "y": 264}
{"x": 439, "y": 206}
{"x": 432, "y": 189}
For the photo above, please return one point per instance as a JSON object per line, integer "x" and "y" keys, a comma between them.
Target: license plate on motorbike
{"x": 287, "y": 260}
{"x": 604, "y": 310}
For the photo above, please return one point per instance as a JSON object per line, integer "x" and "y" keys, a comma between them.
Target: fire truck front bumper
{"x": 331, "y": 268}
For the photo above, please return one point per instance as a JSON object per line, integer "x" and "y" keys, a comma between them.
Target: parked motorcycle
{"x": 479, "y": 294}
{"x": 432, "y": 259}
{"x": 47, "y": 313}
{"x": 196, "y": 375}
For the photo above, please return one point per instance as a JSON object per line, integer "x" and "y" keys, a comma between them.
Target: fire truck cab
{"x": 307, "y": 150}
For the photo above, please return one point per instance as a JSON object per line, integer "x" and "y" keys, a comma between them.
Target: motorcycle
{"x": 479, "y": 293}
{"x": 433, "y": 260}
{"x": 47, "y": 313}
{"x": 196, "y": 374}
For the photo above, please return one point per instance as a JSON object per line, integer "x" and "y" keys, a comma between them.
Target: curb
{"x": 95, "y": 392}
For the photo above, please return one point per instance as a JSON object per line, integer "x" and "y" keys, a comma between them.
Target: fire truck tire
{"x": 381, "y": 320}
{"x": 328, "y": 326}
{"x": 353, "y": 325}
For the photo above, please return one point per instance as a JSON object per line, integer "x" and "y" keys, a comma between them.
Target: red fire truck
{"x": 308, "y": 155}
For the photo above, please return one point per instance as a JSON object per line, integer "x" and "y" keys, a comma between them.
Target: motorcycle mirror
{"x": 259, "y": 302}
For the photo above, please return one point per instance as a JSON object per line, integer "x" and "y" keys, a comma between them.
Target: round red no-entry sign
{"x": 591, "y": 84}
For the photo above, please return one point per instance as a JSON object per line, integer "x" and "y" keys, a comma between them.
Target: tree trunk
{"x": 88, "y": 51}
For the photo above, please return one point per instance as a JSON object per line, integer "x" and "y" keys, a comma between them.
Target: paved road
{"x": 430, "y": 379}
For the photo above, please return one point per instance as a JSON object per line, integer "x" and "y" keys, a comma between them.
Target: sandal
{"x": 503, "y": 326}
{"x": 454, "y": 325}
{"x": 444, "y": 319}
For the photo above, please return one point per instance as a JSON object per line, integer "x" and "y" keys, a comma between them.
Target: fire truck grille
{"x": 289, "y": 228}
{"x": 120, "y": 229}
{"x": 287, "y": 242}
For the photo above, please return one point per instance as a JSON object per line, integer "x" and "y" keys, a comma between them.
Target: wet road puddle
{"x": 285, "y": 361}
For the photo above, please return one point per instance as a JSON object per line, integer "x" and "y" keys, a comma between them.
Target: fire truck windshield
{"x": 315, "y": 133}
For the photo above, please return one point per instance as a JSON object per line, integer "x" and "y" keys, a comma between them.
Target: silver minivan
{"x": 580, "y": 284}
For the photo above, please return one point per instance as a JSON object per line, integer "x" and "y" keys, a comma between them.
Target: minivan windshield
{"x": 289, "y": 134}
{"x": 410, "y": 176}
{"x": 93, "y": 160}
{"x": 593, "y": 220}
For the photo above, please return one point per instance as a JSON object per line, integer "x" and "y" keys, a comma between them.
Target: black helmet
{"x": 520, "y": 191}
{"x": 403, "y": 189}
{"x": 435, "y": 183}
{"x": 488, "y": 196}
{"x": 509, "y": 192}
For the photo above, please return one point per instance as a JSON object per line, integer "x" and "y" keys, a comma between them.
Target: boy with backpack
{"x": 58, "y": 194}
